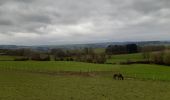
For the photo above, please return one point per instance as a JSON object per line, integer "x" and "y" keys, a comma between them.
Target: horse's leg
{"x": 115, "y": 76}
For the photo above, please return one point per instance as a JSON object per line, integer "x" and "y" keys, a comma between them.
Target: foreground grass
{"x": 32, "y": 86}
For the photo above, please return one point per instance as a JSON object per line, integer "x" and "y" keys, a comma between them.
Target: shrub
{"x": 157, "y": 57}
{"x": 166, "y": 58}
{"x": 21, "y": 59}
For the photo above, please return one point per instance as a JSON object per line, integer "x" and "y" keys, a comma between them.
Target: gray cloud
{"x": 150, "y": 6}
{"x": 31, "y": 22}
{"x": 5, "y": 22}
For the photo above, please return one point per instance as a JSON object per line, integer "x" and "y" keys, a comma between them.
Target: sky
{"x": 56, "y": 22}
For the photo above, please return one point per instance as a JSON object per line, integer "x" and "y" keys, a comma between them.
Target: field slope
{"x": 32, "y": 86}
{"x": 31, "y": 80}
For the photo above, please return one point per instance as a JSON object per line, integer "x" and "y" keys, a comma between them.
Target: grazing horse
{"x": 118, "y": 76}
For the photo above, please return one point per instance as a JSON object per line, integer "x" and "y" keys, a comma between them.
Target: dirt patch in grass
{"x": 69, "y": 73}
{"x": 106, "y": 74}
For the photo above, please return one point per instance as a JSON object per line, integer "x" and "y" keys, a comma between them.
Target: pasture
{"x": 125, "y": 57}
{"x": 6, "y": 58}
{"x": 137, "y": 71}
{"x": 35, "y": 86}
{"x": 99, "y": 50}
{"x": 36, "y": 80}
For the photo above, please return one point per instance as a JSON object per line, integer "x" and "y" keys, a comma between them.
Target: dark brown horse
{"x": 118, "y": 76}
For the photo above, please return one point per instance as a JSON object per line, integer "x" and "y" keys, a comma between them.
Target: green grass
{"x": 36, "y": 80}
{"x": 99, "y": 50}
{"x": 142, "y": 71}
{"x": 5, "y": 58}
{"x": 125, "y": 57}
{"x": 139, "y": 71}
{"x": 56, "y": 66}
{"x": 22, "y": 80}
{"x": 146, "y": 71}
{"x": 31, "y": 86}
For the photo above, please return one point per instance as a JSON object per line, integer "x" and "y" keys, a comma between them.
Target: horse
{"x": 118, "y": 76}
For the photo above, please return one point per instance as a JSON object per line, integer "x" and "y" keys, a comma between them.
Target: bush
{"x": 162, "y": 57}
{"x": 21, "y": 59}
{"x": 167, "y": 58}
{"x": 157, "y": 57}
{"x": 40, "y": 57}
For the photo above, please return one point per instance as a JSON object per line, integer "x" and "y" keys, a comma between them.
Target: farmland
{"x": 69, "y": 80}
{"x": 35, "y": 86}
{"x": 142, "y": 71}
{"x": 6, "y": 58}
{"x": 55, "y": 66}
{"x": 84, "y": 50}
{"x": 125, "y": 57}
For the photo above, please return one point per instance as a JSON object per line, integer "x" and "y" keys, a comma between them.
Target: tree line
{"x": 121, "y": 49}
{"x": 152, "y": 53}
{"x": 81, "y": 55}
{"x": 156, "y": 54}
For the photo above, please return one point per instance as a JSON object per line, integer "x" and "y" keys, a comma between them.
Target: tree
{"x": 132, "y": 48}
{"x": 152, "y": 48}
{"x": 59, "y": 54}
{"x": 35, "y": 56}
{"x": 116, "y": 49}
{"x": 167, "y": 58}
{"x": 158, "y": 57}
{"x": 146, "y": 55}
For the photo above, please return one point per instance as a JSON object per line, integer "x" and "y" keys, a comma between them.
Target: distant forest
{"x": 158, "y": 54}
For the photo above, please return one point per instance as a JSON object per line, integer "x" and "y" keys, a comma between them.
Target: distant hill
{"x": 76, "y": 46}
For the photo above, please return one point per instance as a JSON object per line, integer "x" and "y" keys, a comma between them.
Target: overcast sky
{"x": 53, "y": 22}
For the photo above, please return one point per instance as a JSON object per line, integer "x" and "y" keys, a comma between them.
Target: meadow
{"x": 125, "y": 57}
{"x": 6, "y": 58}
{"x": 34, "y": 86}
{"x": 61, "y": 80}
{"x": 138, "y": 71}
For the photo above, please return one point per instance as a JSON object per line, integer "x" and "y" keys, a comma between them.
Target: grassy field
{"x": 33, "y": 86}
{"x": 146, "y": 71}
{"x": 55, "y": 66}
{"x": 6, "y": 58}
{"x": 125, "y": 58}
{"x": 60, "y": 80}
{"x": 139, "y": 71}
{"x": 99, "y": 50}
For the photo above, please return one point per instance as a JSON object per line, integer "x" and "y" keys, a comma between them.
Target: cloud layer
{"x": 35, "y": 22}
